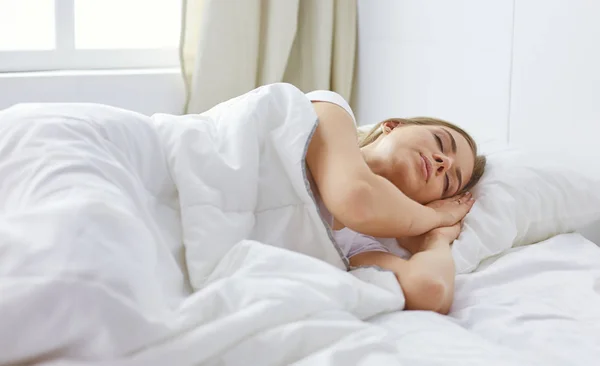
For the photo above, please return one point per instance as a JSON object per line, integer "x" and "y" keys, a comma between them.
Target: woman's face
{"x": 426, "y": 163}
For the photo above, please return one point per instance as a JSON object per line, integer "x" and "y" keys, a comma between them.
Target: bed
{"x": 119, "y": 249}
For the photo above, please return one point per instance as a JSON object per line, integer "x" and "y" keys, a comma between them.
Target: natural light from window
{"x": 26, "y": 25}
{"x": 88, "y": 34}
{"x": 126, "y": 24}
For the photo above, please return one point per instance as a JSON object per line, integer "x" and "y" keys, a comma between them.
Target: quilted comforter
{"x": 175, "y": 240}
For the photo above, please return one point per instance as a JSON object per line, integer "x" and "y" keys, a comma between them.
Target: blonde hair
{"x": 365, "y": 138}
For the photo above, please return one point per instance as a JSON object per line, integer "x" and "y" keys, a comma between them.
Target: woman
{"x": 405, "y": 179}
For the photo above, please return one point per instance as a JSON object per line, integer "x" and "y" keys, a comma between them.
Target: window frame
{"x": 66, "y": 57}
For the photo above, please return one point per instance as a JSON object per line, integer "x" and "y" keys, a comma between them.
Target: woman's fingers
{"x": 464, "y": 197}
{"x": 461, "y": 196}
{"x": 468, "y": 198}
{"x": 465, "y": 204}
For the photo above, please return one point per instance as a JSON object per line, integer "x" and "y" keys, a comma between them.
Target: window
{"x": 88, "y": 34}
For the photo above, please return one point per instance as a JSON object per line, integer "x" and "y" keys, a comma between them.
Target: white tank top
{"x": 349, "y": 241}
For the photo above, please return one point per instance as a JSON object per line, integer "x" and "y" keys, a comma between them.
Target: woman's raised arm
{"x": 358, "y": 198}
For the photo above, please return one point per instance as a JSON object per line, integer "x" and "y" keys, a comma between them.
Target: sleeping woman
{"x": 396, "y": 199}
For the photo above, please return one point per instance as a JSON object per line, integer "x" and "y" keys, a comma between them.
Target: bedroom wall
{"x": 556, "y": 74}
{"x": 452, "y": 63}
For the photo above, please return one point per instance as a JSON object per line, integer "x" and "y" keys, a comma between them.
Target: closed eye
{"x": 439, "y": 142}
{"x": 446, "y": 184}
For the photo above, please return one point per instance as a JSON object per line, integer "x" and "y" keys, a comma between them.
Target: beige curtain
{"x": 229, "y": 47}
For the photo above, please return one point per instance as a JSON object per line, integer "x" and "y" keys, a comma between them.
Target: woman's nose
{"x": 442, "y": 162}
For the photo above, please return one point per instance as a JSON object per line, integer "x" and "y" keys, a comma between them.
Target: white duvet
{"x": 128, "y": 240}
{"x": 171, "y": 240}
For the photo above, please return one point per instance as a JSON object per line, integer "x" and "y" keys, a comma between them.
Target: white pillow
{"x": 365, "y": 128}
{"x": 526, "y": 197}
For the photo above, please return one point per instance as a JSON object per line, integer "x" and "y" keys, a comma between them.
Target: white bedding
{"x": 535, "y": 305}
{"x": 96, "y": 203}
{"x": 542, "y": 301}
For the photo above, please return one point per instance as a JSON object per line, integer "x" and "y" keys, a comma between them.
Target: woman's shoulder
{"x": 331, "y": 97}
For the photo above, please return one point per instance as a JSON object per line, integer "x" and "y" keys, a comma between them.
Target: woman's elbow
{"x": 425, "y": 292}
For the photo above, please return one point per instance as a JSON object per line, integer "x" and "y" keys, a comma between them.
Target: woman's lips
{"x": 425, "y": 167}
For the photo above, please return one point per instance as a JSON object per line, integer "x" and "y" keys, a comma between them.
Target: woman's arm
{"x": 427, "y": 278}
{"x": 358, "y": 198}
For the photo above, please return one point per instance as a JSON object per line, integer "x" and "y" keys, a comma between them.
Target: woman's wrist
{"x": 423, "y": 242}
{"x": 433, "y": 239}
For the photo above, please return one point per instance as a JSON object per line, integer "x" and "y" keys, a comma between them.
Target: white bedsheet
{"x": 541, "y": 301}
{"x": 535, "y": 305}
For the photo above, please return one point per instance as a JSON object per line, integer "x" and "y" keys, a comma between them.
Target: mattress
{"x": 534, "y": 305}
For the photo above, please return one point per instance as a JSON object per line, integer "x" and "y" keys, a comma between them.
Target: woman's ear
{"x": 388, "y": 126}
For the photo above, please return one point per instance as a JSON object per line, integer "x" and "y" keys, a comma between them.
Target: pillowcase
{"x": 526, "y": 197}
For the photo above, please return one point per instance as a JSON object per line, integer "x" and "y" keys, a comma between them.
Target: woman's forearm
{"x": 436, "y": 257}
{"x": 386, "y": 212}
{"x": 426, "y": 279}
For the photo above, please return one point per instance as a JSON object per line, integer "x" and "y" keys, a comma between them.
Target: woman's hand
{"x": 443, "y": 235}
{"x": 446, "y": 234}
{"x": 453, "y": 210}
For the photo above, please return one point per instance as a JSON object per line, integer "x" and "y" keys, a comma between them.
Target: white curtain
{"x": 230, "y": 47}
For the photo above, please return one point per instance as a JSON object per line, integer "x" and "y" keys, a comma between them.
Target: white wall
{"x": 556, "y": 75}
{"x": 144, "y": 91}
{"x": 446, "y": 59}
